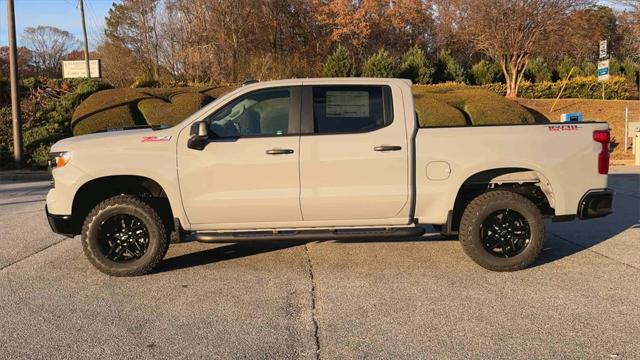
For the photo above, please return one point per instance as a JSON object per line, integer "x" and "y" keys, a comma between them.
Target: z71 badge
{"x": 156, "y": 138}
{"x": 571, "y": 127}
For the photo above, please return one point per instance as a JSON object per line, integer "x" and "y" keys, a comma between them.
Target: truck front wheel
{"x": 502, "y": 231}
{"x": 124, "y": 236}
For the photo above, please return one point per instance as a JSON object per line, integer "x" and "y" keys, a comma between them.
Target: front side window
{"x": 351, "y": 109}
{"x": 260, "y": 113}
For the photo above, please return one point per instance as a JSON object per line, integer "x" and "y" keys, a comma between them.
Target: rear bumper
{"x": 595, "y": 204}
{"x": 61, "y": 224}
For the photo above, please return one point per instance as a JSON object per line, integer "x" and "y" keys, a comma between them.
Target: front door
{"x": 248, "y": 175}
{"x": 354, "y": 155}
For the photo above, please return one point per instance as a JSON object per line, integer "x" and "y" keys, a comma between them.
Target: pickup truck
{"x": 327, "y": 159}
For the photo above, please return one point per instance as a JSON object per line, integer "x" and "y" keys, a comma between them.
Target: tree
{"x": 538, "y": 70}
{"x": 339, "y": 64}
{"x": 485, "y": 72}
{"x": 378, "y": 65}
{"x": 133, "y": 24}
{"x": 511, "y": 31}
{"x": 49, "y": 45}
{"x": 25, "y": 59}
{"x": 414, "y": 66}
{"x": 447, "y": 69}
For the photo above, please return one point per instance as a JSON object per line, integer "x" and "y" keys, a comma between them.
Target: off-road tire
{"x": 483, "y": 206}
{"x": 130, "y": 205}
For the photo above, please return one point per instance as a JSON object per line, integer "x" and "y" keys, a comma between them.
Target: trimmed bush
{"x": 414, "y": 66}
{"x": 579, "y": 88}
{"x": 148, "y": 106}
{"x": 455, "y": 104}
{"x": 378, "y": 65}
{"x": 339, "y": 64}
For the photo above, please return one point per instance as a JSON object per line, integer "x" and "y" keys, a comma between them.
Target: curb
{"x": 25, "y": 176}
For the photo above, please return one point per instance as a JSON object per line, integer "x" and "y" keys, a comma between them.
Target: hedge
{"x": 437, "y": 105}
{"x": 141, "y": 106}
{"x": 454, "y": 104}
{"x": 577, "y": 88}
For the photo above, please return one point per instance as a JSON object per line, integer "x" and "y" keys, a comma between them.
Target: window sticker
{"x": 348, "y": 104}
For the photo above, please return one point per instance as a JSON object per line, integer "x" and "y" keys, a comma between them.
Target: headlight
{"x": 59, "y": 159}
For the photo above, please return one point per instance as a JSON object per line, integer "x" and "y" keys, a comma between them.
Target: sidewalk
{"x": 24, "y": 175}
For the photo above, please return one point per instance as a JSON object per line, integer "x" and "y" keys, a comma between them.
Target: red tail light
{"x": 602, "y": 136}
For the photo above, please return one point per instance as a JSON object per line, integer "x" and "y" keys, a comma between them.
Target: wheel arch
{"x": 98, "y": 189}
{"x": 526, "y": 181}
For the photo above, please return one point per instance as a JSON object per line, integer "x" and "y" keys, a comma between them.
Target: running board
{"x": 337, "y": 234}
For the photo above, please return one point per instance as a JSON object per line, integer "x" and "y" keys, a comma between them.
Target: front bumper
{"x": 62, "y": 224}
{"x": 595, "y": 204}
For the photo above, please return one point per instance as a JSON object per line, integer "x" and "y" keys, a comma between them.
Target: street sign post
{"x": 603, "y": 49}
{"x": 603, "y": 70}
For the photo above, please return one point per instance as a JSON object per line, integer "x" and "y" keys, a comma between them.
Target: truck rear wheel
{"x": 124, "y": 236}
{"x": 502, "y": 231}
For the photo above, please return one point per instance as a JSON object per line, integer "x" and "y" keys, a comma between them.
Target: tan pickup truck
{"x": 324, "y": 159}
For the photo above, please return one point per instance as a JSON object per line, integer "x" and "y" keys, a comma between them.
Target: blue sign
{"x": 603, "y": 71}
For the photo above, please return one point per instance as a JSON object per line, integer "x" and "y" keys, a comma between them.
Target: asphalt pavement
{"x": 421, "y": 298}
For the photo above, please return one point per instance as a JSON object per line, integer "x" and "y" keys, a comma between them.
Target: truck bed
{"x": 447, "y": 157}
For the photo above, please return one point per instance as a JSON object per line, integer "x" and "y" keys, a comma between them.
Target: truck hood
{"x": 115, "y": 138}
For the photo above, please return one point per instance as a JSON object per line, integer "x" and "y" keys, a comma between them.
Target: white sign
{"x": 603, "y": 70}
{"x": 633, "y": 127}
{"x": 78, "y": 69}
{"x": 348, "y": 104}
{"x": 603, "y": 49}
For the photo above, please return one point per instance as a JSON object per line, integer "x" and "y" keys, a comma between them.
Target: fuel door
{"x": 438, "y": 170}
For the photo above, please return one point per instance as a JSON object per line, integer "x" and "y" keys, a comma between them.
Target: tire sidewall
{"x": 473, "y": 239}
{"x": 92, "y": 242}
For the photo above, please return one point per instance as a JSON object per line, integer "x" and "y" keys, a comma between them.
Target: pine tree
{"x": 414, "y": 66}
{"x": 378, "y": 65}
{"x": 339, "y": 64}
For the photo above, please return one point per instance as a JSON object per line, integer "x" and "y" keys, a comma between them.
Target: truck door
{"x": 248, "y": 173}
{"x": 354, "y": 158}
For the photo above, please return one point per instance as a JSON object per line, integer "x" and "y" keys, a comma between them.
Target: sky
{"x": 63, "y": 14}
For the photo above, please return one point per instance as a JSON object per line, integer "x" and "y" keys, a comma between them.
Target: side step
{"x": 337, "y": 234}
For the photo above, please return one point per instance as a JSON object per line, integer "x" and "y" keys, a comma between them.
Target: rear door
{"x": 354, "y": 155}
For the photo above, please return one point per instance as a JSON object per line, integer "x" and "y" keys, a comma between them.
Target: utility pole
{"x": 13, "y": 75}
{"x": 86, "y": 43}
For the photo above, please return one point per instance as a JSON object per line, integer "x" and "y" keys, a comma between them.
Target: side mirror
{"x": 199, "y": 136}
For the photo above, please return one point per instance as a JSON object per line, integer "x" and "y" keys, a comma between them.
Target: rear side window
{"x": 351, "y": 109}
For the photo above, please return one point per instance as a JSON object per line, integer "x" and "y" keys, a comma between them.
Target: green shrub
{"x": 414, "y": 66}
{"x": 447, "y": 69}
{"x": 579, "y": 88}
{"x": 485, "y": 72}
{"x": 615, "y": 68}
{"x": 564, "y": 68}
{"x": 132, "y": 107}
{"x": 170, "y": 111}
{"x": 339, "y": 64}
{"x": 378, "y": 65}
{"x": 630, "y": 69}
{"x": 145, "y": 83}
{"x": 47, "y": 105}
{"x": 587, "y": 69}
{"x": 455, "y": 104}
{"x": 537, "y": 71}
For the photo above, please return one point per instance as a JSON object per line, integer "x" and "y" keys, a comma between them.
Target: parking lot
{"x": 421, "y": 298}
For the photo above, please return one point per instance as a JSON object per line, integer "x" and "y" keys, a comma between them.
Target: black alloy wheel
{"x": 505, "y": 233}
{"x": 123, "y": 238}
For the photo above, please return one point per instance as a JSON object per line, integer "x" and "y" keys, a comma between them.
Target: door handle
{"x": 279, "y": 151}
{"x": 387, "y": 148}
